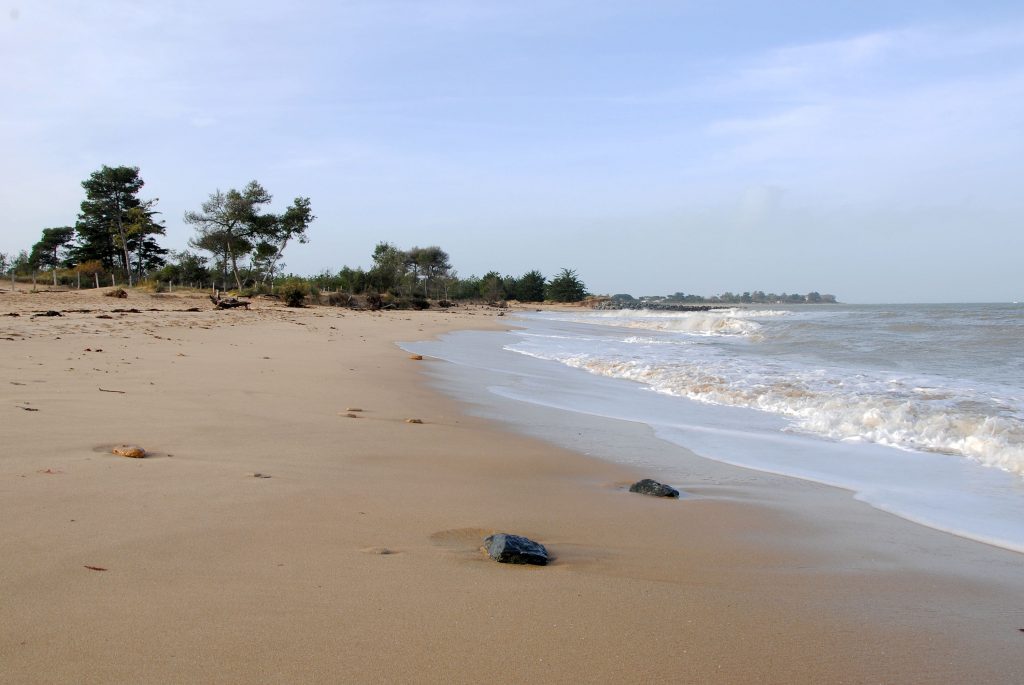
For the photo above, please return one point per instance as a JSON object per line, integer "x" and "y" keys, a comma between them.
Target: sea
{"x": 916, "y": 409}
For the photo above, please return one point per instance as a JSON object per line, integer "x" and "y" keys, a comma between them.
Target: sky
{"x": 873, "y": 150}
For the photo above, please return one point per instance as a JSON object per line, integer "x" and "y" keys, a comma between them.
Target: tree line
{"x": 426, "y": 272}
{"x": 746, "y": 297}
{"x": 238, "y": 242}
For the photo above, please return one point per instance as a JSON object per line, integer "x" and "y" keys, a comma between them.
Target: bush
{"x": 256, "y": 289}
{"x": 418, "y": 303}
{"x": 339, "y": 299}
{"x": 293, "y": 292}
{"x": 374, "y": 301}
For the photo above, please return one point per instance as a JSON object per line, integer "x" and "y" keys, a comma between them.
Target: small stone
{"x": 353, "y": 409}
{"x": 258, "y": 475}
{"x": 417, "y": 357}
{"x": 506, "y": 548}
{"x": 352, "y": 416}
{"x": 653, "y": 488}
{"x": 133, "y": 451}
{"x": 414, "y": 420}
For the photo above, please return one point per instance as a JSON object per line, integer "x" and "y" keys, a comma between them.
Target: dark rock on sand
{"x": 515, "y": 549}
{"x": 653, "y": 488}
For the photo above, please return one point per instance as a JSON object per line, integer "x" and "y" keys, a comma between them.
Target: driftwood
{"x": 228, "y": 303}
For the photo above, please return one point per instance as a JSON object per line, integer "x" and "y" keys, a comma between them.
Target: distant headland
{"x": 682, "y": 302}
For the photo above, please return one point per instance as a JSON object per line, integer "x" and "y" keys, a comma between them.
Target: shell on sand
{"x": 133, "y": 451}
{"x": 416, "y": 357}
{"x": 414, "y": 420}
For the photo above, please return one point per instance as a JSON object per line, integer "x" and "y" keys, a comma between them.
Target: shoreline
{"x": 358, "y": 560}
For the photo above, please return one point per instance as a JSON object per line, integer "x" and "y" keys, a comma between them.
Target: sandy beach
{"x": 355, "y": 555}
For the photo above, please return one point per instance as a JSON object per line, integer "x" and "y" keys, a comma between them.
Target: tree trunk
{"x": 124, "y": 246}
{"x": 234, "y": 265}
{"x": 273, "y": 262}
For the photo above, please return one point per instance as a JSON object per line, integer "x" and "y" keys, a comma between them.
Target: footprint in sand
{"x": 382, "y": 551}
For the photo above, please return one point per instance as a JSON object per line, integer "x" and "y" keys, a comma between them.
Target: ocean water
{"x": 916, "y": 409}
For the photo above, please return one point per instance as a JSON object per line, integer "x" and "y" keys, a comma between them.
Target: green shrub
{"x": 293, "y": 292}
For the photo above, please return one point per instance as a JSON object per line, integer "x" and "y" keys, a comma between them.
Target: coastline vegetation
{"x": 238, "y": 246}
{"x": 746, "y": 297}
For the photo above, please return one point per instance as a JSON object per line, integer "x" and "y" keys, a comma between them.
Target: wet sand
{"x": 358, "y": 560}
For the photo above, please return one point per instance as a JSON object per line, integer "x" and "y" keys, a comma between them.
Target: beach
{"x": 269, "y": 536}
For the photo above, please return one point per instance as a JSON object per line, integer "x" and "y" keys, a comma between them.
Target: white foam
{"x": 726, "y": 322}
{"x": 893, "y": 411}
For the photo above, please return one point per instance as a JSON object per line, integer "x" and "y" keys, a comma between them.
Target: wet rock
{"x": 653, "y": 488}
{"x": 515, "y": 549}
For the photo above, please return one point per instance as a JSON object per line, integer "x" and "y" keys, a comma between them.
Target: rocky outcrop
{"x": 515, "y": 549}
{"x": 653, "y": 488}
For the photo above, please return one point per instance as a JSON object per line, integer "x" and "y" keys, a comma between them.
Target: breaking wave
{"x": 723, "y": 322}
{"x": 904, "y": 412}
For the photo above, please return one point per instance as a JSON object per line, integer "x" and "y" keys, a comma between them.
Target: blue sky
{"x": 857, "y": 148}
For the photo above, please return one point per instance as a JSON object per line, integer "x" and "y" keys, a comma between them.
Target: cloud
{"x": 896, "y": 113}
{"x": 796, "y": 68}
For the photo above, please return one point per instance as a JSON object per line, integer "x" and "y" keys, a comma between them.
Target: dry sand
{"x": 357, "y": 559}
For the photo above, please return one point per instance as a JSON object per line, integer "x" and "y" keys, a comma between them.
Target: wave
{"x": 896, "y": 412}
{"x": 721, "y": 322}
